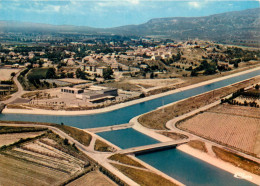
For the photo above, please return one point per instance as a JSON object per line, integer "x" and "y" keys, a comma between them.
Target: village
{"x": 95, "y": 75}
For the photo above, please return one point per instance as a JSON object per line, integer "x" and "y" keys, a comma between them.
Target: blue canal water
{"x": 123, "y": 115}
{"x": 175, "y": 163}
{"x": 128, "y": 138}
{"x": 190, "y": 170}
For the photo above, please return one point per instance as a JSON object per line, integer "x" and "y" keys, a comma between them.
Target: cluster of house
{"x": 95, "y": 63}
{"x": 17, "y": 58}
{"x": 94, "y": 94}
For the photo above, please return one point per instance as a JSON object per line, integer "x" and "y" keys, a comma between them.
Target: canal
{"x": 179, "y": 165}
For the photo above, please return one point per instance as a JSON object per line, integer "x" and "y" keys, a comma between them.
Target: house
{"x": 100, "y": 71}
{"x": 115, "y": 66}
{"x": 156, "y": 57}
{"x": 165, "y": 56}
{"x": 15, "y": 65}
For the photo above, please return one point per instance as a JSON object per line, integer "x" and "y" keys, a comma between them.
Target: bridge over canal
{"x": 110, "y": 128}
{"x": 153, "y": 147}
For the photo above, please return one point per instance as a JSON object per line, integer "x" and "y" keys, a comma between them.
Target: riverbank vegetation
{"x": 173, "y": 135}
{"x": 142, "y": 177}
{"x": 196, "y": 144}
{"x": 237, "y": 160}
{"x": 102, "y": 146}
{"x": 122, "y": 158}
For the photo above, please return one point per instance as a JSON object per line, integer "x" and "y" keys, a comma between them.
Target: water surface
{"x": 127, "y": 138}
{"x": 123, "y": 115}
{"x": 190, "y": 170}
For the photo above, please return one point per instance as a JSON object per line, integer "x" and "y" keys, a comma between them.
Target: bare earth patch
{"x": 156, "y": 82}
{"x": 5, "y": 74}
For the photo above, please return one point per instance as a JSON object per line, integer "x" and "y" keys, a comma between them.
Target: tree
{"x": 193, "y": 73}
{"x": 66, "y": 141}
{"x": 236, "y": 64}
{"x": 50, "y": 73}
{"x": 80, "y": 74}
{"x": 13, "y": 74}
{"x": 152, "y": 75}
{"x": 108, "y": 72}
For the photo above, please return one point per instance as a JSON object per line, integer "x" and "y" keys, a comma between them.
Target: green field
{"x": 41, "y": 73}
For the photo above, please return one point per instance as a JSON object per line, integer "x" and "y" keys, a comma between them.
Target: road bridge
{"x": 110, "y": 128}
{"x": 153, "y": 147}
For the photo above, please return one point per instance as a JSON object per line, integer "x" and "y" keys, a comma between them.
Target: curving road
{"x": 19, "y": 92}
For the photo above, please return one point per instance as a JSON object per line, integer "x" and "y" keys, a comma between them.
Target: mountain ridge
{"x": 236, "y": 25}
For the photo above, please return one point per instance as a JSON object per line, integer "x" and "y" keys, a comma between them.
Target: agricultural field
{"x": 5, "y": 74}
{"x": 92, "y": 178}
{"x": 48, "y": 160}
{"x": 236, "y": 110}
{"x": 236, "y": 127}
{"x": 7, "y": 139}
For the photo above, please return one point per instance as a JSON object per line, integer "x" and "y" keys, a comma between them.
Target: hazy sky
{"x": 108, "y": 13}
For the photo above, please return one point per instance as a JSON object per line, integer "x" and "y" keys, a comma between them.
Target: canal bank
{"x": 125, "y": 114}
{"x": 126, "y": 104}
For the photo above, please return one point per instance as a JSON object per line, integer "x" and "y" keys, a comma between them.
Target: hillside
{"x": 240, "y": 26}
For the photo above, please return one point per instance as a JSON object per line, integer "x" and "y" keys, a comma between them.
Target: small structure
{"x": 97, "y": 96}
{"x": 72, "y": 90}
{"x": 15, "y": 65}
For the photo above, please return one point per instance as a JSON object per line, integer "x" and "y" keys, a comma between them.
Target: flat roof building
{"x": 72, "y": 90}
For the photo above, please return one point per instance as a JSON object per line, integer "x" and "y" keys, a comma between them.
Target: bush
{"x": 66, "y": 141}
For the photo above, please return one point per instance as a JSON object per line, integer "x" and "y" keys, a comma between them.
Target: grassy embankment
{"x": 173, "y": 135}
{"x": 237, "y": 160}
{"x": 143, "y": 177}
{"x": 122, "y": 158}
{"x": 158, "y": 118}
{"x": 102, "y": 146}
{"x": 196, "y": 144}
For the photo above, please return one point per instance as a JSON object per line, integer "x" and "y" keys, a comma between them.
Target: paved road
{"x": 152, "y": 147}
{"x": 17, "y": 94}
{"x": 110, "y": 128}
